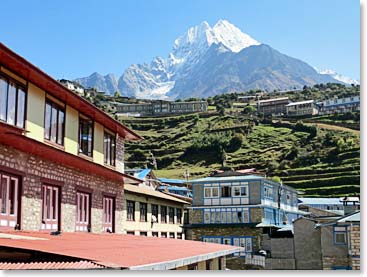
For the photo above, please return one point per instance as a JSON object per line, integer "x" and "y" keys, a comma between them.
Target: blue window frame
{"x": 246, "y": 242}
{"x": 226, "y": 215}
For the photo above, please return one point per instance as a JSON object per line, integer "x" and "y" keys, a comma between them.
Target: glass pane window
{"x": 143, "y": 212}
{"x": 163, "y": 214}
{"x": 130, "y": 210}
{"x": 12, "y": 103}
{"x": 85, "y": 136}
{"x": 226, "y": 191}
{"x": 12, "y": 93}
{"x": 215, "y": 192}
{"x": 3, "y": 99}
{"x": 54, "y": 122}
{"x": 171, "y": 215}
{"x": 109, "y": 149}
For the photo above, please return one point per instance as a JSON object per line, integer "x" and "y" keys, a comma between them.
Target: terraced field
{"x": 326, "y": 164}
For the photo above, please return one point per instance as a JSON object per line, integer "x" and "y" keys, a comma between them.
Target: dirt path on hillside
{"x": 335, "y": 128}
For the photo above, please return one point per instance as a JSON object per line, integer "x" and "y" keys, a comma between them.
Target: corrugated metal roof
{"x": 151, "y": 192}
{"x": 319, "y": 201}
{"x": 173, "y": 188}
{"x": 229, "y": 178}
{"x": 50, "y": 265}
{"x": 119, "y": 250}
{"x": 300, "y": 103}
{"x": 171, "y": 181}
{"x": 356, "y": 217}
{"x": 143, "y": 173}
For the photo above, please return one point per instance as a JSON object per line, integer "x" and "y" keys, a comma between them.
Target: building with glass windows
{"x": 61, "y": 158}
{"x": 238, "y": 210}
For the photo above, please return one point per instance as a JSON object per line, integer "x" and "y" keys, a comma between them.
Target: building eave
{"x": 20, "y": 66}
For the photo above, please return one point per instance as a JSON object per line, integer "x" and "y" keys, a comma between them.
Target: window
{"x": 50, "y": 207}
{"x": 211, "y": 192}
{"x": 12, "y": 103}
{"x": 340, "y": 235}
{"x": 9, "y": 199}
{"x": 179, "y": 216}
{"x": 144, "y": 234}
{"x": 143, "y": 212}
{"x": 85, "y": 136}
{"x": 108, "y": 218}
{"x": 155, "y": 234}
{"x": 239, "y": 191}
{"x": 163, "y": 214}
{"x": 109, "y": 148}
{"x": 54, "y": 122}
{"x": 130, "y": 207}
{"x": 171, "y": 235}
{"x": 226, "y": 215}
{"x": 209, "y": 264}
{"x": 171, "y": 215}
{"x": 226, "y": 191}
{"x": 179, "y": 236}
{"x": 130, "y": 232}
{"x": 268, "y": 192}
{"x": 163, "y": 234}
{"x": 154, "y": 213}
{"x": 83, "y": 211}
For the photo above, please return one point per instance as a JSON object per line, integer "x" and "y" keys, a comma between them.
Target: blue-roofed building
{"x": 327, "y": 204}
{"x": 240, "y": 210}
{"x": 183, "y": 191}
{"x": 146, "y": 175}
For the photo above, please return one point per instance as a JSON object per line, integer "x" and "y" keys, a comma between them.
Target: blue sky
{"x": 70, "y": 39}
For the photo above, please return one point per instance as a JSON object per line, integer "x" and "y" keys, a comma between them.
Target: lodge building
{"x": 240, "y": 211}
{"x": 61, "y": 158}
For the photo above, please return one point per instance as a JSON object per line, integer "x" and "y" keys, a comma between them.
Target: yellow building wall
{"x": 35, "y": 112}
{"x": 98, "y": 144}
{"x": 159, "y": 227}
{"x": 71, "y": 130}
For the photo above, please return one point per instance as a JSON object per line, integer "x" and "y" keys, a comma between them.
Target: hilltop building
{"x": 302, "y": 108}
{"x": 64, "y": 190}
{"x": 239, "y": 210}
{"x": 73, "y": 86}
{"x": 274, "y": 106}
{"x": 339, "y": 105}
{"x": 160, "y": 107}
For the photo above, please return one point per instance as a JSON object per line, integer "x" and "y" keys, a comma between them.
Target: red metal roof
{"x": 50, "y": 265}
{"x": 33, "y": 74}
{"x": 116, "y": 250}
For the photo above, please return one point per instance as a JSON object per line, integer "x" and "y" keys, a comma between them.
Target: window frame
{"x": 83, "y": 118}
{"x": 18, "y": 86}
{"x": 112, "y": 148}
{"x": 164, "y": 218}
{"x": 87, "y": 222}
{"x": 143, "y": 208}
{"x": 58, "y": 108}
{"x": 229, "y": 187}
{"x": 154, "y": 211}
{"x": 128, "y": 211}
{"x": 337, "y": 231}
{"x": 171, "y": 215}
{"x": 179, "y": 215}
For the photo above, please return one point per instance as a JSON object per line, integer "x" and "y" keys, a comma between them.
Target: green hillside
{"x": 315, "y": 159}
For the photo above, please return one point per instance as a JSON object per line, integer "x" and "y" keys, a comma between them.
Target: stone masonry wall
{"x": 34, "y": 169}
{"x": 355, "y": 247}
{"x": 120, "y": 152}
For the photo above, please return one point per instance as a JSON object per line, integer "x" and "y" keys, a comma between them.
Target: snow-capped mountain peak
{"x": 232, "y": 37}
{"x": 339, "y": 77}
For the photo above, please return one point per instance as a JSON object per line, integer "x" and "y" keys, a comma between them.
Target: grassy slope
{"x": 265, "y": 148}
